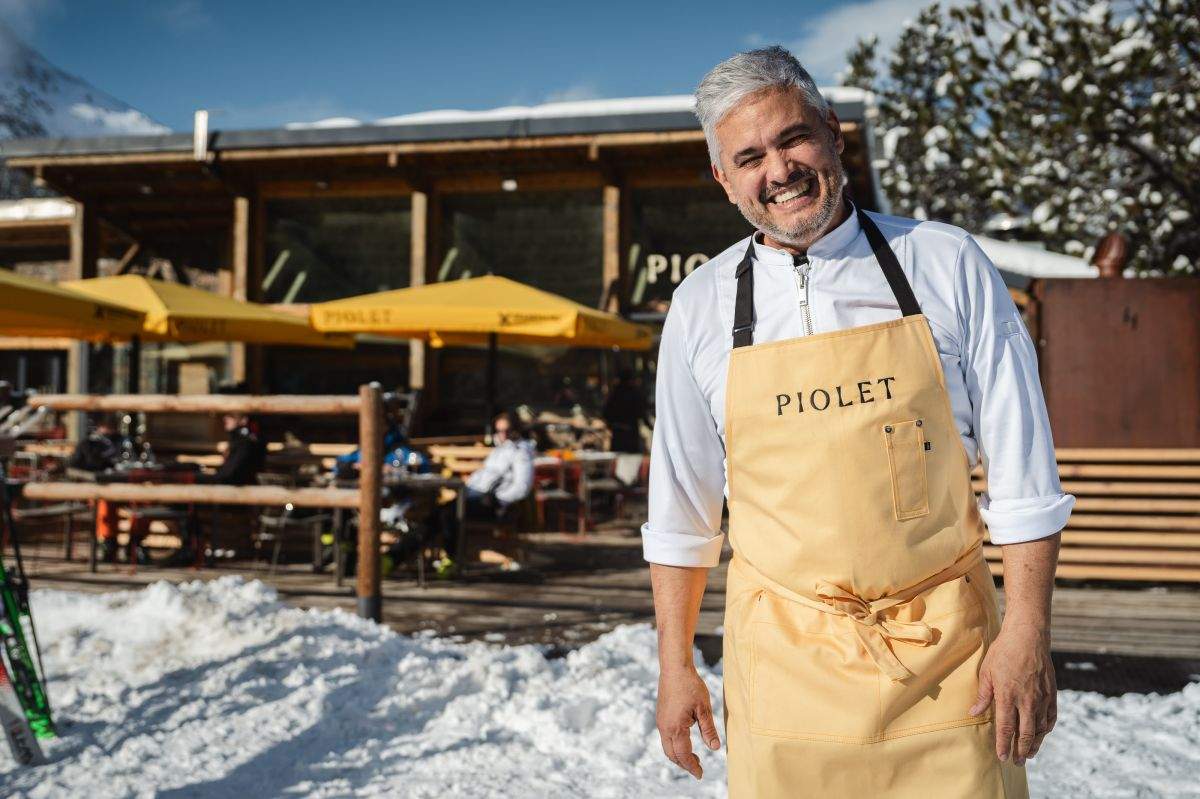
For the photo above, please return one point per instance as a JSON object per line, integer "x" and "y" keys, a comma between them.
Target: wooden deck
{"x": 566, "y": 609}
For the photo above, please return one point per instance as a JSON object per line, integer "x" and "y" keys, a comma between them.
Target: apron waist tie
{"x": 874, "y": 629}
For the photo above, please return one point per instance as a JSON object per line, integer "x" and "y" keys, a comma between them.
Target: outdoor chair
{"x": 550, "y": 491}
{"x": 67, "y": 512}
{"x": 275, "y": 524}
{"x": 597, "y": 477}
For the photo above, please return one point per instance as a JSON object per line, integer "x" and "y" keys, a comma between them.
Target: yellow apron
{"x": 858, "y": 603}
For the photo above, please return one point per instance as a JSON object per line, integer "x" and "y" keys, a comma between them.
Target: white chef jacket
{"x": 986, "y": 353}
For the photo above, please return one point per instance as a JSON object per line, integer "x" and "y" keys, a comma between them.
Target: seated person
{"x": 245, "y": 453}
{"x": 504, "y": 479}
{"x": 506, "y": 476}
{"x": 396, "y": 451}
{"x": 99, "y": 452}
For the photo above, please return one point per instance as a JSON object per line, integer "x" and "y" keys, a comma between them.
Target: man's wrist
{"x": 668, "y": 669}
{"x": 1033, "y": 622}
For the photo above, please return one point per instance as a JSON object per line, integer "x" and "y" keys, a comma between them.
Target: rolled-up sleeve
{"x": 1024, "y": 500}
{"x": 687, "y": 462}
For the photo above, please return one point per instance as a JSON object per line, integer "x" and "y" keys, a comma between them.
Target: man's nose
{"x": 778, "y": 170}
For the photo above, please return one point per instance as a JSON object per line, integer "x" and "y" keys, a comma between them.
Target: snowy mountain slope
{"x": 39, "y": 99}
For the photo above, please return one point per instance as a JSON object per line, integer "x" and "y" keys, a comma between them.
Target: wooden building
{"x": 610, "y": 203}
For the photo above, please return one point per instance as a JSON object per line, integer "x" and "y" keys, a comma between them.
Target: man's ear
{"x": 835, "y": 126}
{"x": 719, "y": 177}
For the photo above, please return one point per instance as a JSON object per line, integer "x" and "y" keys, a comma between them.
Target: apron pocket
{"x": 945, "y": 679}
{"x": 810, "y": 685}
{"x": 905, "y": 442}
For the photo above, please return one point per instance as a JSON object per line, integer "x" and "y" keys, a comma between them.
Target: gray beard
{"x": 808, "y": 229}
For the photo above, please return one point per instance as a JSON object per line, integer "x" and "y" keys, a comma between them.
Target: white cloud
{"x": 825, "y": 39}
{"x": 184, "y": 16}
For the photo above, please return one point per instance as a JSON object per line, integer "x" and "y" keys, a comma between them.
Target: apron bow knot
{"x": 876, "y": 630}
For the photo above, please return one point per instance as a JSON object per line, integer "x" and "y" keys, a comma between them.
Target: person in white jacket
{"x": 506, "y": 476}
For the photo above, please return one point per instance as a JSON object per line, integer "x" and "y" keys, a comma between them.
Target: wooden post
{"x": 239, "y": 262}
{"x": 85, "y": 251}
{"x": 370, "y": 466}
{"x": 611, "y": 292}
{"x": 418, "y": 268}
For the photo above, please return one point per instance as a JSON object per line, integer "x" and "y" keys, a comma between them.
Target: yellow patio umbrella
{"x": 472, "y": 311}
{"x": 487, "y": 309}
{"x": 175, "y": 312}
{"x": 38, "y": 308}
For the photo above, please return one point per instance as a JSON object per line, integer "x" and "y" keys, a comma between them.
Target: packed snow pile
{"x": 216, "y": 689}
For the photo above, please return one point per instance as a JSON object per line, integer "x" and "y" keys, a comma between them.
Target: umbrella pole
{"x": 491, "y": 381}
{"x": 135, "y": 365}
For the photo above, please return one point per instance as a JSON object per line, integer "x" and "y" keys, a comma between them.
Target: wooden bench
{"x": 1136, "y": 517}
{"x": 459, "y": 459}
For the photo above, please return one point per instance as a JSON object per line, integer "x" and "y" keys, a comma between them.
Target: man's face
{"x": 780, "y": 165}
{"x": 501, "y": 430}
{"x": 231, "y": 422}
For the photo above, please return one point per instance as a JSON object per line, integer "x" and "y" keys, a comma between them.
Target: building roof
{"x": 623, "y": 115}
{"x": 1019, "y": 262}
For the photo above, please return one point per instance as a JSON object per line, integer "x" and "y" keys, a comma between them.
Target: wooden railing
{"x": 368, "y": 406}
{"x": 1137, "y": 515}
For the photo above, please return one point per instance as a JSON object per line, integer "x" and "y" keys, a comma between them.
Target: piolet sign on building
{"x": 662, "y": 271}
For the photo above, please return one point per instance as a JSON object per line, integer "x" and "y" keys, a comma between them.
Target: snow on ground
{"x": 216, "y": 689}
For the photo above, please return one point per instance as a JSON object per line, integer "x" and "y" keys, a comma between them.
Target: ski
{"x": 17, "y": 631}
{"x": 21, "y": 740}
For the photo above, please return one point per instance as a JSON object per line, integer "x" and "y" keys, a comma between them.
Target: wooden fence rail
{"x": 195, "y": 494}
{"x": 368, "y": 406}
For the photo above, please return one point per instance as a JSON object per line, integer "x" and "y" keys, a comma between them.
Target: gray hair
{"x": 745, "y": 74}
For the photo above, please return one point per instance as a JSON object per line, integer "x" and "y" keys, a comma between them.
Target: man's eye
{"x": 754, "y": 159}
{"x": 795, "y": 140}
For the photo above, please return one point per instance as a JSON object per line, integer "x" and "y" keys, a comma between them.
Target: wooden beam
{"x": 341, "y": 187}
{"x": 239, "y": 267}
{"x": 255, "y": 353}
{"x": 85, "y": 251}
{"x": 97, "y": 159}
{"x": 22, "y": 343}
{"x": 323, "y": 404}
{"x": 611, "y": 280}
{"x": 196, "y": 494}
{"x": 370, "y": 468}
{"x": 418, "y": 271}
{"x": 30, "y": 224}
{"x": 526, "y": 181}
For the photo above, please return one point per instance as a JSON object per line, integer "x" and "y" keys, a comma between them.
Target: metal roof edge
{"x": 524, "y": 127}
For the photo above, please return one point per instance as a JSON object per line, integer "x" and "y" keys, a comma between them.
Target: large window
{"x": 550, "y": 240}
{"x": 327, "y": 248}
{"x": 673, "y": 231}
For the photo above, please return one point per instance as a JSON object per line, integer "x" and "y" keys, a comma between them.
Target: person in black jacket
{"x": 246, "y": 453}
{"x": 625, "y": 411}
{"x": 99, "y": 451}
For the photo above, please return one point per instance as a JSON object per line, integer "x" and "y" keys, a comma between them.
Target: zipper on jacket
{"x": 801, "y": 267}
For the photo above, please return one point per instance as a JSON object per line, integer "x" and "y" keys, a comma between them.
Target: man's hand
{"x": 683, "y": 701}
{"x": 1017, "y": 676}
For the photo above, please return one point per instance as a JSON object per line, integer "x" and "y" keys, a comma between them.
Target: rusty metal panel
{"x": 1120, "y": 361}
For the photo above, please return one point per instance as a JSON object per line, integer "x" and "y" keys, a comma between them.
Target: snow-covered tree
{"x": 1058, "y": 120}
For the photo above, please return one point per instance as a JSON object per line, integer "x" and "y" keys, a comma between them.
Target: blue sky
{"x": 260, "y": 64}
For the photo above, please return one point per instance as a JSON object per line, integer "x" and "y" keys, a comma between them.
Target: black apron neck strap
{"x": 743, "y": 307}
{"x": 890, "y": 266}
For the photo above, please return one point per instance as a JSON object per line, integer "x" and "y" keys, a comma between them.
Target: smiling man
{"x": 836, "y": 376}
